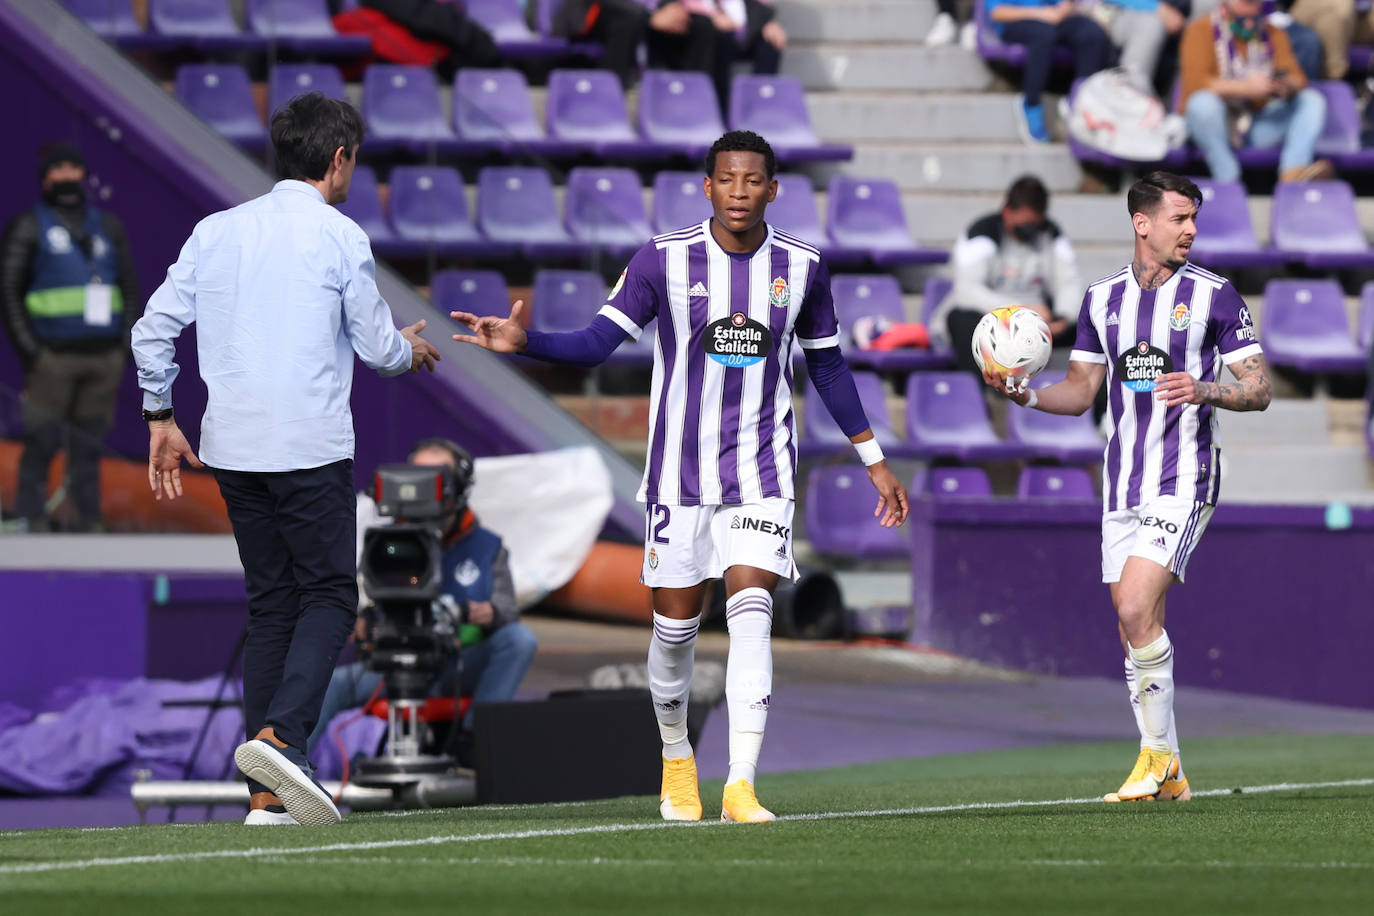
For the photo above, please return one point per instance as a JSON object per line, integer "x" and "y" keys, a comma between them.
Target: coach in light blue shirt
{"x": 283, "y": 292}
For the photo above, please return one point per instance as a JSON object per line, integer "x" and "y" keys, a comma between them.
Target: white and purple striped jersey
{"x": 721, "y": 430}
{"x": 1194, "y": 323}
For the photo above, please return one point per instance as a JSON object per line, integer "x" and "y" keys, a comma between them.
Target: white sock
{"x": 671, "y": 651}
{"x": 1140, "y": 718}
{"x": 1154, "y": 675}
{"x": 748, "y": 677}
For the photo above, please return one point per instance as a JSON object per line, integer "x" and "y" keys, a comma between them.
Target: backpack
{"x": 1109, "y": 114}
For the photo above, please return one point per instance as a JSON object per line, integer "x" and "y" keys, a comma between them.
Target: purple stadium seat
{"x": 876, "y": 295}
{"x": 1305, "y": 326}
{"x": 481, "y": 292}
{"x": 839, "y": 505}
{"x": 402, "y": 108}
{"x": 794, "y": 209}
{"x": 953, "y": 483}
{"x": 991, "y": 47}
{"x": 1364, "y": 337}
{"x": 933, "y": 294}
{"x": 205, "y": 24}
{"x": 430, "y": 207}
{"x": 775, "y": 107}
{"x": 1064, "y": 438}
{"x": 587, "y": 107}
{"x": 364, "y": 207}
{"x": 492, "y": 109}
{"x": 821, "y": 435}
{"x": 679, "y": 201}
{"x": 1074, "y": 484}
{"x": 505, "y": 20}
{"x": 1340, "y": 139}
{"x": 113, "y": 20}
{"x": 604, "y": 208}
{"x": 222, "y": 96}
{"x": 565, "y": 300}
{"x": 946, "y": 417}
{"x": 1225, "y": 235}
{"x": 516, "y": 205}
{"x": 678, "y": 110}
{"x": 865, "y": 220}
{"x": 304, "y": 26}
{"x": 1315, "y": 222}
{"x": 290, "y": 80}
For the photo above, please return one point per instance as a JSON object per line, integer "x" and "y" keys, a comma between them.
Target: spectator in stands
{"x": 1015, "y": 257}
{"x": 442, "y": 26}
{"x": 1241, "y": 86}
{"x": 620, "y": 26}
{"x": 1041, "y": 25}
{"x": 1340, "y": 25}
{"x": 1307, "y": 44}
{"x": 496, "y": 647}
{"x": 950, "y": 25}
{"x": 716, "y": 34}
{"x": 68, "y": 292}
{"x": 1138, "y": 29}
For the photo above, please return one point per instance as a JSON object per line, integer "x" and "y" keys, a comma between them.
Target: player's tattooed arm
{"x": 1250, "y": 391}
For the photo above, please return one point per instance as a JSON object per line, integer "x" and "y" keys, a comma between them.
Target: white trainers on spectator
{"x": 261, "y": 817}
{"x": 943, "y": 31}
{"x": 968, "y": 36}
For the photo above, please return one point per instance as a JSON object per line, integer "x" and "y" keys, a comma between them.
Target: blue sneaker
{"x": 1031, "y": 121}
{"x": 287, "y": 772}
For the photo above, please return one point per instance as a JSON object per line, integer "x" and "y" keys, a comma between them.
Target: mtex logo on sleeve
{"x": 1140, "y": 366}
{"x": 737, "y": 341}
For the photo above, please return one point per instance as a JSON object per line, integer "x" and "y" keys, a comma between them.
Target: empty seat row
{"x": 301, "y": 26}
{"x": 838, "y": 503}
{"x": 603, "y": 209}
{"x": 1313, "y": 223}
{"x": 1305, "y": 326}
{"x": 493, "y": 112}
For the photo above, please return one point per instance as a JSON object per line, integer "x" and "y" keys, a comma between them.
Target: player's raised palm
{"x": 500, "y": 335}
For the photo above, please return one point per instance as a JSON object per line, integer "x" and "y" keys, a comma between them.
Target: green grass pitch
{"x": 933, "y": 835}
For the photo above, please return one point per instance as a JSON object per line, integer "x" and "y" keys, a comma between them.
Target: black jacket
{"x": 17, "y": 250}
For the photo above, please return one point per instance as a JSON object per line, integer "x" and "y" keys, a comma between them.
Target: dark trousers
{"x": 69, "y": 395}
{"x": 1092, "y": 50}
{"x": 296, "y": 533}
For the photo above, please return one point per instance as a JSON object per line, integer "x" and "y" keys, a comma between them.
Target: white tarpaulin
{"x": 548, "y": 507}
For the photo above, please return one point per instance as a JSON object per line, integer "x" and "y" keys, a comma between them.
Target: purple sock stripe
{"x": 674, "y": 633}
{"x": 667, "y": 641}
{"x": 731, "y": 615}
{"x": 757, "y": 603}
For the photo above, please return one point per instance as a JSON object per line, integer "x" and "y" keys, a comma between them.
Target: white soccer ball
{"x": 1014, "y": 341}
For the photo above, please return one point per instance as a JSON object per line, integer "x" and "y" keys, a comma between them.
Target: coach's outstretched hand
{"x": 500, "y": 335}
{"x": 892, "y": 499}
{"x": 422, "y": 352}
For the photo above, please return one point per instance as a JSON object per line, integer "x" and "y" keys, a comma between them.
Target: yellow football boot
{"x": 679, "y": 799}
{"x": 742, "y": 806}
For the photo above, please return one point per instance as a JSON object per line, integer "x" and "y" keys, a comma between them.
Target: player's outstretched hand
{"x": 422, "y": 352}
{"x": 167, "y": 445}
{"x": 998, "y": 382}
{"x": 892, "y": 500}
{"x": 500, "y": 335}
{"x": 1175, "y": 388}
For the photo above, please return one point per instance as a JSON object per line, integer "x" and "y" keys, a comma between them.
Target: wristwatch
{"x": 163, "y": 414}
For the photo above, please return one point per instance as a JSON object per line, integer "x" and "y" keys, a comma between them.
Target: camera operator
{"x": 496, "y": 647}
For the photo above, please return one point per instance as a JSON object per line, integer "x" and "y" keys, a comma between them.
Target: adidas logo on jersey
{"x": 698, "y": 290}
{"x": 1113, "y": 318}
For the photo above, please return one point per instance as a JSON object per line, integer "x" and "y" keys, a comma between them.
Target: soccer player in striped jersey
{"x": 730, "y": 295}
{"x": 1158, "y": 331}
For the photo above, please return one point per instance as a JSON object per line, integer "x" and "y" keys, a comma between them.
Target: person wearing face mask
{"x": 1242, "y": 86}
{"x": 68, "y": 294}
{"x": 1015, "y": 257}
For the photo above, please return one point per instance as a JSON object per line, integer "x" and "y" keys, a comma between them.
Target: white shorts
{"x": 1166, "y": 530}
{"x": 684, "y": 545}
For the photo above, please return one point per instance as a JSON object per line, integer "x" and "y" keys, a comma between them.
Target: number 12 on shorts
{"x": 656, "y": 519}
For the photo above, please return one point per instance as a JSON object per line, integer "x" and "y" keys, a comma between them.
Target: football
{"x": 1014, "y": 341}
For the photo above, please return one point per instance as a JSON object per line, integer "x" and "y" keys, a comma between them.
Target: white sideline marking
{"x": 258, "y": 853}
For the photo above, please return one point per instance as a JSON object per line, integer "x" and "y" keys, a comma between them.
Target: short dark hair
{"x": 742, "y": 141}
{"x": 1028, "y": 191}
{"x": 308, "y": 129}
{"x": 1147, "y": 194}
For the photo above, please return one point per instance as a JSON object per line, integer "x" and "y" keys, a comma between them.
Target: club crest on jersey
{"x": 618, "y": 283}
{"x": 1141, "y": 365}
{"x": 779, "y": 295}
{"x": 1180, "y": 317}
{"x": 737, "y": 341}
{"x": 653, "y": 558}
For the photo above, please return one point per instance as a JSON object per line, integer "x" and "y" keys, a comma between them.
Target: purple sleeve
{"x": 586, "y": 348}
{"x": 635, "y": 299}
{"x": 834, "y": 383}
{"x": 816, "y": 326}
{"x": 1233, "y": 326}
{"x": 1087, "y": 346}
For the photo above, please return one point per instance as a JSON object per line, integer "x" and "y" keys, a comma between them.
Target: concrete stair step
{"x": 856, "y": 20}
{"x": 873, "y": 65}
{"x": 1273, "y": 473}
{"x": 953, "y": 167}
{"x": 1290, "y": 421}
{"x": 928, "y": 117}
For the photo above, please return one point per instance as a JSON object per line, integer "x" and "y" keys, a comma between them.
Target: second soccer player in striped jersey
{"x": 1158, "y": 331}
{"x": 730, "y": 295}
